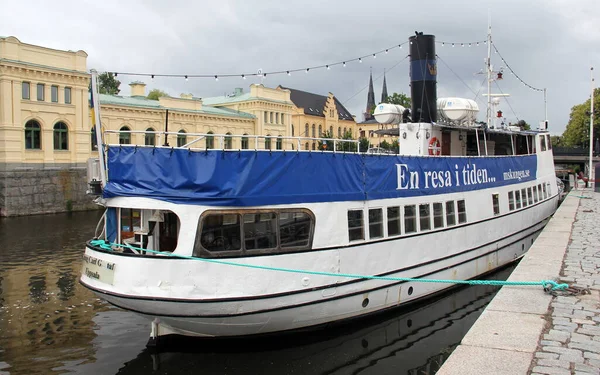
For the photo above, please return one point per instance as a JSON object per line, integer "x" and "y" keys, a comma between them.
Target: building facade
{"x": 46, "y": 136}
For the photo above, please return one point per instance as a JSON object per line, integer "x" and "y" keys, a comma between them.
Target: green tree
{"x": 523, "y": 125}
{"x": 108, "y": 84}
{"x": 155, "y": 94}
{"x": 577, "y": 132}
{"x": 364, "y": 144}
{"x": 556, "y": 140}
{"x": 401, "y": 99}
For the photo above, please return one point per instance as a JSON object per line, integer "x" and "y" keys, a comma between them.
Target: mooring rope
{"x": 548, "y": 285}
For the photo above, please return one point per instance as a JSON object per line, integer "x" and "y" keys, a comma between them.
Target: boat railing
{"x": 234, "y": 142}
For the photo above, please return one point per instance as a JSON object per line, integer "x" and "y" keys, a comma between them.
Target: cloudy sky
{"x": 550, "y": 44}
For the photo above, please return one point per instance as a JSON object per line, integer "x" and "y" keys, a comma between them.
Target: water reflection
{"x": 49, "y": 324}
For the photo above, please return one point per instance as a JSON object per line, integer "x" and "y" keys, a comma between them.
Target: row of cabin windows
{"x": 313, "y": 134}
{"x": 41, "y": 92}
{"x": 33, "y": 136}
{"x": 274, "y": 118}
{"x": 422, "y": 217}
{"x": 528, "y": 196}
{"x": 221, "y": 233}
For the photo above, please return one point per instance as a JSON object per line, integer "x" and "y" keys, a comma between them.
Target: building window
{"x": 462, "y": 211}
{"x": 450, "y": 214}
{"x": 181, "y": 138}
{"x": 518, "y": 199}
{"x": 245, "y": 142}
{"x": 331, "y": 131}
{"x": 496, "y": 204}
{"x": 375, "y": 223}
{"x": 529, "y": 196}
{"x": 393, "y": 217}
{"x": 40, "y": 92}
{"x": 260, "y": 230}
{"x": 266, "y": 115}
{"x": 282, "y": 117}
{"x": 438, "y": 215}
{"x": 25, "y": 88}
{"x": 320, "y": 131}
{"x": 314, "y": 147}
{"x": 314, "y": 132}
{"x": 228, "y": 141}
{"x": 61, "y": 136}
{"x": 279, "y": 143}
{"x": 271, "y": 117}
{"x": 410, "y": 219}
{"x": 292, "y": 130}
{"x": 524, "y": 196}
{"x": 277, "y": 118}
{"x": 210, "y": 141}
{"x": 33, "y": 139}
{"x": 306, "y": 146}
{"x": 306, "y": 130}
{"x": 94, "y": 140}
{"x": 268, "y": 142}
{"x": 424, "y": 217}
{"x": 340, "y": 132}
{"x": 54, "y": 94}
{"x": 67, "y": 95}
{"x": 150, "y": 138}
{"x": 511, "y": 201}
{"x": 124, "y": 138}
{"x": 345, "y": 131}
{"x": 355, "y": 225}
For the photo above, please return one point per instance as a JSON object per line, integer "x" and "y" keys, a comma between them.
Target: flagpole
{"x": 591, "y": 127}
{"x": 98, "y": 125}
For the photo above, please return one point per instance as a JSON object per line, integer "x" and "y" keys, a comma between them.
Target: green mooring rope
{"x": 547, "y": 284}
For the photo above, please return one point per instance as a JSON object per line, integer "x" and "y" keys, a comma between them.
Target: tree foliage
{"x": 400, "y": 99}
{"x": 577, "y": 132}
{"x": 108, "y": 84}
{"x": 155, "y": 94}
{"x": 523, "y": 125}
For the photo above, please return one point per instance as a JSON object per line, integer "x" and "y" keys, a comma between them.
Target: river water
{"x": 50, "y": 324}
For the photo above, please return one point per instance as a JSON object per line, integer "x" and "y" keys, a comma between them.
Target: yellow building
{"x": 46, "y": 137}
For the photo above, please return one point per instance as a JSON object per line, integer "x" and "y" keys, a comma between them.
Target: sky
{"x": 549, "y": 44}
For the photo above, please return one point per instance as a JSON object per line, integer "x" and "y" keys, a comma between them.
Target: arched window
{"x": 277, "y": 118}
{"x": 279, "y": 144}
{"x": 181, "y": 138}
{"x": 314, "y": 147}
{"x": 282, "y": 119}
{"x": 150, "y": 138}
{"x": 210, "y": 140}
{"x": 340, "y": 132}
{"x": 33, "y": 138}
{"x": 292, "y": 130}
{"x": 331, "y": 131}
{"x": 265, "y": 117}
{"x": 306, "y": 146}
{"x": 93, "y": 139}
{"x": 271, "y": 117}
{"x": 61, "y": 136}
{"x": 228, "y": 141}
{"x": 268, "y": 142}
{"x": 245, "y": 142}
{"x": 125, "y": 138}
{"x": 314, "y": 133}
{"x": 306, "y": 130}
{"x": 320, "y": 130}
{"x": 344, "y": 134}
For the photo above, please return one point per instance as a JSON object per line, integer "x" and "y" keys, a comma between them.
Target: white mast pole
{"x": 591, "y": 127}
{"x": 545, "y": 108}
{"x": 96, "y": 104}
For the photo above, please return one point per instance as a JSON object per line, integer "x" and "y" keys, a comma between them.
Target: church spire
{"x": 370, "y": 98}
{"x": 384, "y": 93}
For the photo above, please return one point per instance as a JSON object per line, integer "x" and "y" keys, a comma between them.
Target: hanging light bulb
{"x": 442, "y": 44}
{"x": 186, "y": 78}
{"x": 386, "y": 51}
{"x": 243, "y": 76}
{"x": 288, "y": 73}
{"x": 152, "y": 77}
{"x": 469, "y": 44}
{"x": 400, "y": 45}
{"x": 478, "y": 44}
{"x": 264, "y": 75}
{"x": 344, "y": 64}
{"x": 452, "y": 44}
{"x": 359, "y": 60}
{"x": 327, "y": 66}
{"x": 216, "y": 78}
{"x": 116, "y": 74}
{"x": 462, "y": 44}
{"x": 374, "y": 56}
{"x": 307, "y": 69}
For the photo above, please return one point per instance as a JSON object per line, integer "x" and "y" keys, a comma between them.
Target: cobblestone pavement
{"x": 571, "y": 343}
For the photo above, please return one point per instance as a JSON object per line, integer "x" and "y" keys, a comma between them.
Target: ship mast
{"x": 489, "y": 75}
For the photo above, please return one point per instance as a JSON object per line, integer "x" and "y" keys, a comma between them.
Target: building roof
{"x": 41, "y": 66}
{"x": 313, "y": 104}
{"x": 227, "y": 99}
{"x": 141, "y": 102}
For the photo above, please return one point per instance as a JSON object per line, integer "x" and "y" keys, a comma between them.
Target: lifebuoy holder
{"x": 435, "y": 149}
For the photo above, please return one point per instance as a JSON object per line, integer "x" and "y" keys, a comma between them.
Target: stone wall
{"x": 44, "y": 190}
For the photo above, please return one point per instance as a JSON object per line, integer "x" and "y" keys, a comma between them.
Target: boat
{"x": 229, "y": 243}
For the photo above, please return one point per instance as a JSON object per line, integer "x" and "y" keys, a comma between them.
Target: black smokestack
{"x": 423, "y": 75}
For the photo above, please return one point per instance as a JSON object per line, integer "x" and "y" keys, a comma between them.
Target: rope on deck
{"x": 548, "y": 285}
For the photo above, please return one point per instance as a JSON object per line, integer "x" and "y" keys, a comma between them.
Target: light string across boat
{"x": 548, "y": 285}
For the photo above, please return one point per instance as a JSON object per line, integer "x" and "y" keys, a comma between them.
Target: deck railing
{"x": 207, "y": 141}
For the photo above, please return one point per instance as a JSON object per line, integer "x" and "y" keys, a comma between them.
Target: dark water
{"x": 49, "y": 324}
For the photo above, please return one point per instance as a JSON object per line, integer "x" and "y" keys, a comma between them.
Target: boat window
{"x": 393, "y": 217}
{"x": 131, "y": 221}
{"x": 450, "y": 214}
{"x": 535, "y": 195}
{"x": 424, "y": 217}
{"x": 511, "y": 200}
{"x": 260, "y": 230}
{"x": 355, "y": 225}
{"x": 462, "y": 211}
{"x": 410, "y": 219}
{"x": 548, "y": 189}
{"x": 221, "y": 232}
{"x": 549, "y": 141}
{"x": 438, "y": 215}
{"x": 518, "y": 198}
{"x": 496, "y": 204}
{"x": 540, "y": 190}
{"x": 524, "y": 196}
{"x": 542, "y": 143}
{"x": 529, "y": 196}
{"x": 294, "y": 229}
{"x": 375, "y": 223}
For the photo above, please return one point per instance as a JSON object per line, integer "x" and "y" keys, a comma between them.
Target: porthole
{"x": 365, "y": 302}
{"x": 410, "y": 291}
{"x": 409, "y": 323}
{"x": 522, "y": 247}
{"x": 364, "y": 343}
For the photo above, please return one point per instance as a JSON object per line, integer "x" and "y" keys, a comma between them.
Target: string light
{"x": 152, "y": 78}
{"x": 288, "y": 73}
{"x": 513, "y": 72}
{"x": 307, "y": 69}
{"x": 186, "y": 78}
{"x": 359, "y": 60}
{"x": 443, "y": 42}
{"x": 344, "y": 64}
{"x": 216, "y": 78}
{"x": 374, "y": 56}
{"x": 327, "y": 66}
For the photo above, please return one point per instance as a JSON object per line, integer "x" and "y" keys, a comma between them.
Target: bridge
{"x": 573, "y": 156}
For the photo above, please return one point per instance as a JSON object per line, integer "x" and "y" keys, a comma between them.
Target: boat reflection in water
{"x": 414, "y": 342}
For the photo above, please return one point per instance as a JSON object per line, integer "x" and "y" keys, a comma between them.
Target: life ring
{"x": 434, "y": 147}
